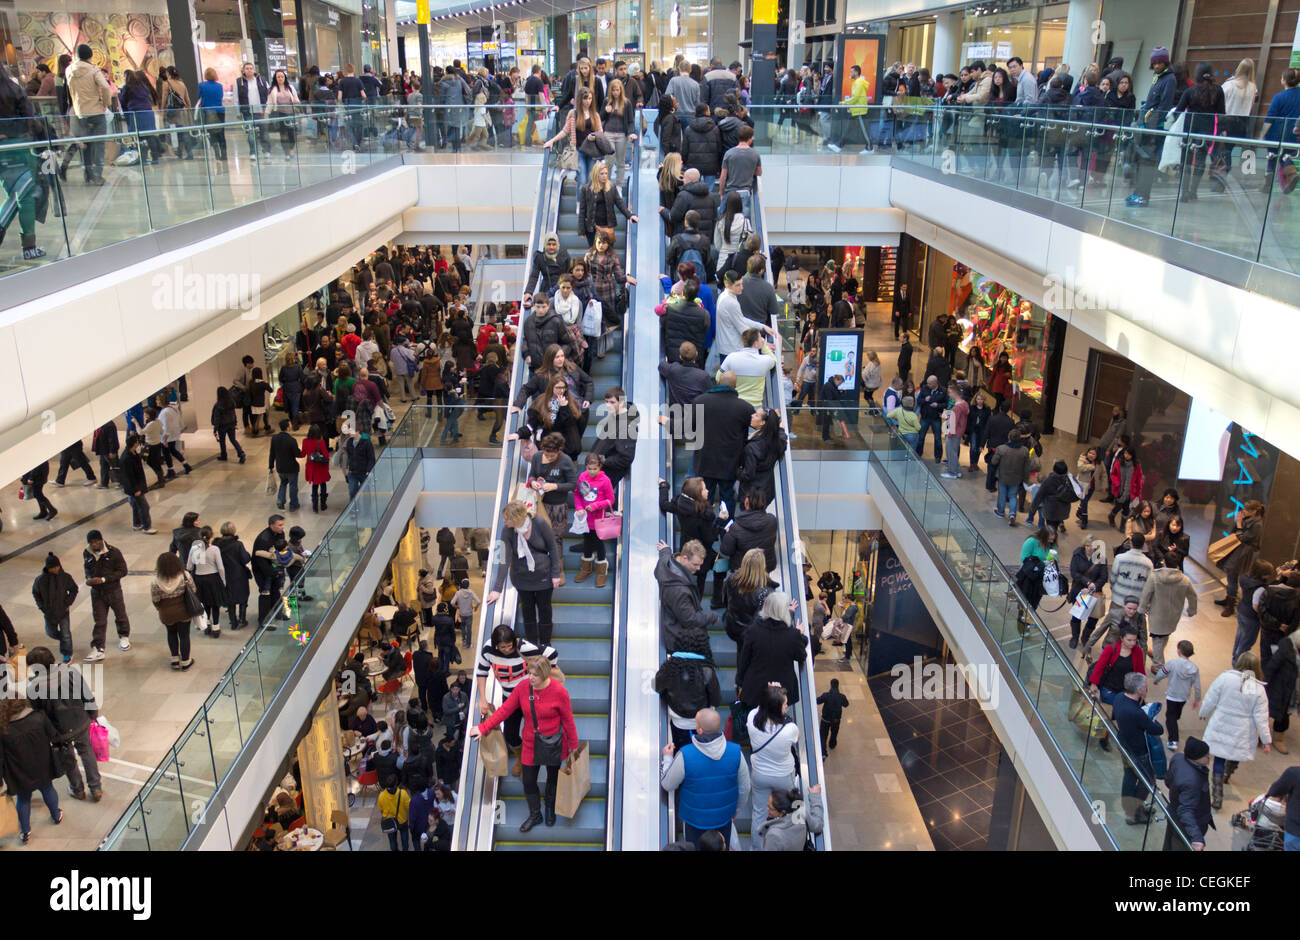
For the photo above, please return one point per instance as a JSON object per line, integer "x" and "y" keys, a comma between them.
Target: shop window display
{"x": 997, "y": 320}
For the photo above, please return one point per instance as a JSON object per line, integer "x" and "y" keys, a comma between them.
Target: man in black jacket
{"x": 423, "y": 668}
{"x": 135, "y": 485}
{"x": 901, "y": 316}
{"x": 684, "y": 321}
{"x": 694, "y": 194}
{"x": 685, "y": 376}
{"x": 105, "y": 568}
{"x": 1134, "y": 725}
{"x": 679, "y": 593}
{"x": 753, "y": 527}
{"x": 68, "y": 700}
{"x": 722, "y": 418}
{"x": 702, "y": 146}
{"x": 105, "y": 446}
{"x": 716, "y": 83}
{"x": 999, "y": 430}
{"x": 543, "y": 328}
{"x": 689, "y": 239}
{"x": 283, "y": 459}
{"x": 251, "y": 91}
{"x": 1188, "y": 779}
{"x": 833, "y": 703}
{"x": 616, "y": 436}
{"x": 54, "y": 592}
{"x": 268, "y": 576}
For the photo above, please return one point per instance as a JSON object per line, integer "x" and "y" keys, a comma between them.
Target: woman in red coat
{"x": 1000, "y": 378}
{"x": 318, "y": 466}
{"x": 547, "y": 711}
{"x": 1126, "y": 469}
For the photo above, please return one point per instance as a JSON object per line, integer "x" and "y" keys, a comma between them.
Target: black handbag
{"x": 547, "y": 748}
{"x": 193, "y": 606}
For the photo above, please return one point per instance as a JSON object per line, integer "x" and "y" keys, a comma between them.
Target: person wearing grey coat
{"x": 788, "y": 831}
{"x": 1166, "y": 592}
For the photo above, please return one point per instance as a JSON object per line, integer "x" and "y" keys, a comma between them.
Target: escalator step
{"x": 510, "y": 786}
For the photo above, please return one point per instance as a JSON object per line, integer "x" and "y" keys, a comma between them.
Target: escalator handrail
{"x": 790, "y": 560}
{"x": 473, "y": 828}
{"x": 618, "y": 640}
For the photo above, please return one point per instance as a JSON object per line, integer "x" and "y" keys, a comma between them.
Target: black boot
{"x": 534, "y": 814}
{"x": 550, "y": 812}
{"x": 315, "y": 502}
{"x": 718, "y": 601}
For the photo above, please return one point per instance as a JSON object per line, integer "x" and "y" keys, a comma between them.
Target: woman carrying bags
{"x": 531, "y": 557}
{"x": 593, "y": 496}
{"x": 549, "y": 735}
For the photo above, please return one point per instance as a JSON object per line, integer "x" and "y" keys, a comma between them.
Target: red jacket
{"x": 350, "y": 342}
{"x": 315, "y": 472}
{"x": 1108, "y": 656}
{"x": 554, "y": 714}
{"x": 1135, "y": 482}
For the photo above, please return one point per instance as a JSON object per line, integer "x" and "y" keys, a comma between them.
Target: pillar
{"x": 320, "y": 761}
{"x": 406, "y": 567}
{"x": 426, "y": 80}
{"x": 762, "y": 72}
{"x": 947, "y": 43}
{"x": 180, "y": 14}
{"x": 1081, "y": 35}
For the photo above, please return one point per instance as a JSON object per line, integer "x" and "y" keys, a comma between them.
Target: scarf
{"x": 551, "y": 256}
{"x": 523, "y": 549}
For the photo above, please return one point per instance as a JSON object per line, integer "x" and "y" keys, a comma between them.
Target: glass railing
{"x": 1047, "y": 679}
{"x": 174, "y": 799}
{"x": 1227, "y": 192}
{"x": 97, "y": 182}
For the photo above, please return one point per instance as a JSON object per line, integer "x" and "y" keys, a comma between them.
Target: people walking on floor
{"x": 168, "y": 594}
{"x": 105, "y": 568}
{"x": 27, "y": 763}
{"x": 833, "y": 703}
{"x": 67, "y": 698}
{"x": 207, "y": 565}
{"x": 54, "y": 591}
{"x": 1236, "y": 706}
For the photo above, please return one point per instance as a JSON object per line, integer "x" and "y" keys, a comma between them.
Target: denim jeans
{"x": 224, "y": 434}
{"x": 92, "y": 154}
{"x": 723, "y": 491}
{"x": 954, "y": 455}
{"x": 912, "y": 439}
{"x": 451, "y": 429}
{"x": 406, "y": 837}
{"x": 928, "y": 425}
{"x": 1290, "y": 843}
{"x": 60, "y": 630}
{"x": 354, "y": 484}
{"x": 585, "y": 163}
{"x": 288, "y": 481}
{"x": 23, "y": 803}
{"x": 1247, "y": 634}
{"x": 1007, "y": 498}
{"x": 140, "y": 511}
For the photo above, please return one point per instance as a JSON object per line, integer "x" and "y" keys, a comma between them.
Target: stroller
{"x": 1265, "y": 818}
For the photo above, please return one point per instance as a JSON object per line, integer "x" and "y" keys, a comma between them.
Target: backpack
{"x": 693, "y": 256}
{"x": 689, "y": 690}
{"x": 239, "y": 395}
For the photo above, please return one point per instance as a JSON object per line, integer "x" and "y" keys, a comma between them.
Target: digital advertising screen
{"x": 867, "y": 52}
{"x": 840, "y": 354}
{"x": 1205, "y": 446}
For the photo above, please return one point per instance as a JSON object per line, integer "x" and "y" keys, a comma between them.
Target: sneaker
{"x": 149, "y": 532}
{"x": 999, "y": 513}
{"x": 137, "y": 528}
{"x": 67, "y": 659}
{"x": 950, "y": 476}
{"x": 124, "y": 644}
{"x": 866, "y": 151}
{"x": 94, "y": 656}
{"x": 831, "y": 146}
{"x": 1172, "y": 745}
{"x": 1011, "y": 520}
{"x": 77, "y": 796}
{"x": 91, "y": 483}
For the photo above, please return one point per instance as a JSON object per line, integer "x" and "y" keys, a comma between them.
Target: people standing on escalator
{"x": 709, "y": 776}
{"x": 549, "y": 735}
{"x": 773, "y": 737}
{"x": 597, "y": 203}
{"x": 744, "y": 592}
{"x": 702, "y": 146}
{"x": 687, "y": 683}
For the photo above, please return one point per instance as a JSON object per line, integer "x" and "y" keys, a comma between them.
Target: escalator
{"x": 677, "y": 462}
{"x": 586, "y": 625}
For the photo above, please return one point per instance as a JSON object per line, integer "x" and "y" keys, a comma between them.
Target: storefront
{"x": 997, "y": 320}
{"x": 130, "y": 34}
{"x": 333, "y": 34}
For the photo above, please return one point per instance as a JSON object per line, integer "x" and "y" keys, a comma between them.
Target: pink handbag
{"x": 608, "y": 526}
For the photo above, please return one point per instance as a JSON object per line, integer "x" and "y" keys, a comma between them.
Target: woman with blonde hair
{"x": 745, "y": 590}
{"x": 619, "y": 116}
{"x": 670, "y": 180}
{"x": 1236, "y": 707}
{"x": 1239, "y": 94}
{"x": 597, "y": 204}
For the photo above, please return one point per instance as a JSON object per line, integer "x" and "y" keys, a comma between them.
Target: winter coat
{"x": 54, "y": 594}
{"x": 724, "y": 427}
{"x": 234, "y": 560}
{"x": 752, "y": 528}
{"x": 1280, "y": 676}
{"x": 540, "y": 333}
{"x": 679, "y": 601}
{"x": 547, "y": 560}
{"x": 758, "y": 466}
{"x": 691, "y": 523}
{"x": 1244, "y": 555}
{"x": 1166, "y": 591}
{"x": 789, "y": 833}
{"x": 1055, "y": 495}
{"x": 702, "y": 147}
{"x": 682, "y": 323}
{"x": 587, "y": 201}
{"x": 315, "y": 472}
{"x": 1237, "y": 708}
{"x": 698, "y": 197}
{"x": 1014, "y": 463}
{"x": 27, "y": 762}
{"x": 1129, "y": 573}
{"x": 550, "y": 270}
{"x": 1189, "y": 797}
{"x": 714, "y": 86}
{"x": 1135, "y": 481}
{"x": 742, "y": 608}
{"x": 770, "y": 653}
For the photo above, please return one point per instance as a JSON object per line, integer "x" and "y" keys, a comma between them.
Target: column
{"x": 406, "y": 567}
{"x": 180, "y": 14}
{"x": 320, "y": 762}
{"x": 1082, "y": 35}
{"x": 947, "y": 43}
{"x": 762, "y": 74}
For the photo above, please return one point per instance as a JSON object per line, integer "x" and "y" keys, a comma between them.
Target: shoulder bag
{"x": 193, "y": 606}
{"x": 548, "y": 749}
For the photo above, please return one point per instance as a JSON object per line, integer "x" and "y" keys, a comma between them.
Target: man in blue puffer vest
{"x": 710, "y": 776}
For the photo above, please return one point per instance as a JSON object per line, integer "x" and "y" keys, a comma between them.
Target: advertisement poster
{"x": 1247, "y": 474}
{"x": 841, "y": 354}
{"x": 867, "y": 52}
{"x": 901, "y": 626}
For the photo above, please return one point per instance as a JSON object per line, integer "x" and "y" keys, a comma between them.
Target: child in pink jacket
{"x": 595, "y": 495}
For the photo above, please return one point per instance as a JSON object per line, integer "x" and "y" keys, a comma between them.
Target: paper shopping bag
{"x": 1219, "y": 551}
{"x": 8, "y": 817}
{"x": 496, "y": 756}
{"x": 575, "y": 781}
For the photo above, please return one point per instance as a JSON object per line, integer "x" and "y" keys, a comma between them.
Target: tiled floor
{"x": 949, "y": 754}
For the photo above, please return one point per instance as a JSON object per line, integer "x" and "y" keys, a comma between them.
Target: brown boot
{"x": 602, "y": 572}
{"x": 1278, "y": 744}
{"x": 585, "y": 572}
{"x": 517, "y": 768}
